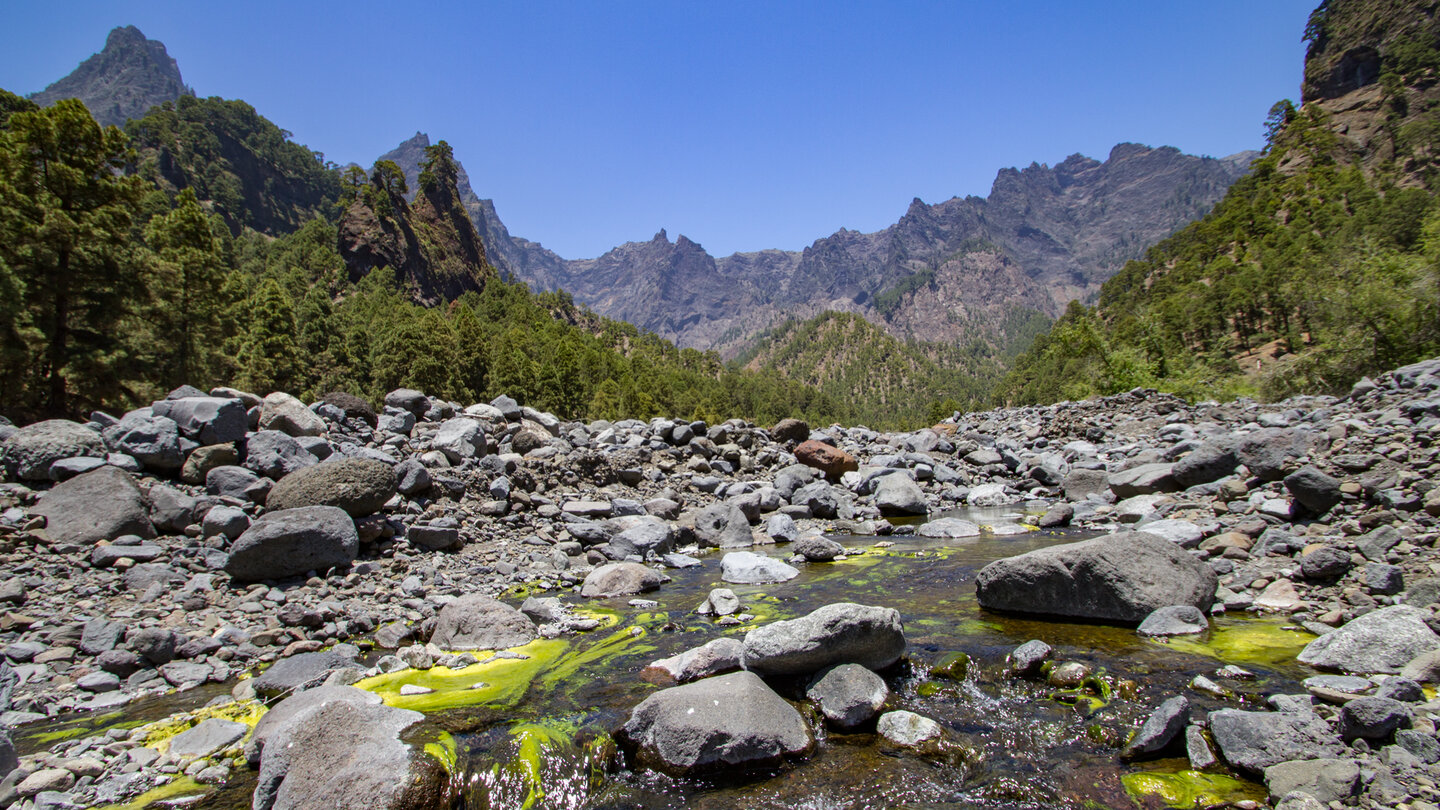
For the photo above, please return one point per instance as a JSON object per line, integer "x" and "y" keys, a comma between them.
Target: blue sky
{"x": 743, "y": 125}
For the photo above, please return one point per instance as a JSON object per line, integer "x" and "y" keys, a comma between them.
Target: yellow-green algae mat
{"x": 1264, "y": 642}
{"x": 159, "y": 734}
{"x": 1189, "y": 788}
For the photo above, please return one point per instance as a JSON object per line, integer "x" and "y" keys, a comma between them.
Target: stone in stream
{"x": 1174, "y": 620}
{"x": 727, "y": 721}
{"x": 1253, "y": 741}
{"x": 714, "y": 657}
{"x": 306, "y": 670}
{"x": 898, "y": 495}
{"x": 477, "y": 622}
{"x": 207, "y": 738}
{"x": 30, "y": 450}
{"x": 291, "y": 542}
{"x": 1383, "y": 640}
{"x": 720, "y": 602}
{"x": 848, "y": 695}
{"x": 948, "y": 528}
{"x": 989, "y": 495}
{"x": 1028, "y": 657}
{"x": 343, "y": 754}
{"x": 1056, "y": 516}
{"x": 842, "y": 633}
{"x": 907, "y": 729}
{"x": 722, "y": 525}
{"x": 1121, "y": 577}
{"x": 747, "y": 567}
{"x": 359, "y": 486}
{"x": 817, "y": 548}
{"x": 621, "y": 579}
{"x": 100, "y": 505}
{"x": 207, "y": 420}
{"x": 1160, "y": 729}
{"x": 279, "y": 716}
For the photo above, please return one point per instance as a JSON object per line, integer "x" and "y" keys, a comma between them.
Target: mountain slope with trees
{"x": 1321, "y": 266}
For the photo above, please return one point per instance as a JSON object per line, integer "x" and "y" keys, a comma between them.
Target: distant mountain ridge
{"x": 123, "y": 81}
{"x": 1066, "y": 228}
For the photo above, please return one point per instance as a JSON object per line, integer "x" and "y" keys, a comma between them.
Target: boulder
{"x": 304, "y": 671}
{"x": 907, "y": 729}
{"x": 344, "y": 754}
{"x": 99, "y": 505}
{"x": 817, "y": 548}
{"x": 352, "y": 406}
{"x": 291, "y": 542}
{"x": 1182, "y": 533}
{"x": 1145, "y": 479}
{"x": 208, "y": 737}
{"x": 747, "y": 567}
{"x": 275, "y": 455}
{"x": 1160, "y": 729}
{"x": 154, "y": 441}
{"x": 1174, "y": 620}
{"x": 790, "y": 430}
{"x": 206, "y": 420}
{"x": 459, "y": 439}
{"x": 832, "y": 462}
{"x": 231, "y": 482}
{"x": 477, "y": 622}
{"x": 1081, "y": 483}
{"x": 896, "y": 494}
{"x": 848, "y": 695}
{"x": 359, "y": 486}
{"x": 727, "y": 721}
{"x": 440, "y": 534}
{"x": 1313, "y": 489}
{"x": 714, "y": 657}
{"x": 1324, "y": 780}
{"x": 1373, "y": 718}
{"x": 989, "y": 495}
{"x": 722, "y": 525}
{"x": 1122, "y": 577}
{"x": 279, "y": 715}
{"x": 285, "y": 413}
{"x": 1383, "y": 640}
{"x": 1211, "y": 461}
{"x": 30, "y": 450}
{"x": 1253, "y": 741}
{"x": 1268, "y": 453}
{"x": 204, "y": 459}
{"x": 948, "y": 528}
{"x": 621, "y": 579}
{"x": 842, "y": 633}
{"x": 408, "y": 399}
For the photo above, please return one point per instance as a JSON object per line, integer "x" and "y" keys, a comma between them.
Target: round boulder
{"x": 477, "y": 622}
{"x": 848, "y": 695}
{"x": 621, "y": 579}
{"x": 29, "y": 451}
{"x": 360, "y": 486}
{"x": 291, "y": 542}
{"x": 102, "y": 504}
{"x": 842, "y": 633}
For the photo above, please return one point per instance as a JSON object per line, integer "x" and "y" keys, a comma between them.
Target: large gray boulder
{"x": 477, "y": 622}
{"x": 1211, "y": 461}
{"x": 716, "y": 723}
{"x": 102, "y": 504}
{"x": 304, "y": 671}
{"x": 29, "y": 451}
{"x": 154, "y": 441}
{"x": 848, "y": 695}
{"x": 281, "y": 714}
{"x": 621, "y": 579}
{"x": 291, "y": 542}
{"x": 207, "y": 420}
{"x": 275, "y": 455}
{"x": 1253, "y": 741}
{"x": 749, "y": 568}
{"x": 350, "y": 754}
{"x": 722, "y": 525}
{"x": 896, "y": 494}
{"x": 459, "y": 439}
{"x": 285, "y": 413}
{"x": 1383, "y": 640}
{"x": 360, "y": 486}
{"x": 1270, "y": 452}
{"x": 842, "y": 633}
{"x": 1122, "y": 577}
{"x": 1145, "y": 479}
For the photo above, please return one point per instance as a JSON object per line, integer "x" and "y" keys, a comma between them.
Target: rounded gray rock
{"x": 30, "y": 450}
{"x": 842, "y": 633}
{"x": 848, "y": 695}
{"x": 291, "y": 542}
{"x": 357, "y": 485}
{"x": 477, "y": 622}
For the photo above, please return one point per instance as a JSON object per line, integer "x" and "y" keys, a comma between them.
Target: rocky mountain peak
{"x": 123, "y": 81}
{"x": 661, "y": 237}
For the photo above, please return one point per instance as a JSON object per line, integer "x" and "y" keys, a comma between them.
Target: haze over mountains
{"x": 1044, "y": 236}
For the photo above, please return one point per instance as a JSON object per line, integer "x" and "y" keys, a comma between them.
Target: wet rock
{"x": 342, "y": 754}
{"x": 359, "y": 486}
{"x": 695, "y": 728}
{"x": 208, "y": 737}
{"x": 1028, "y": 657}
{"x": 99, "y": 505}
{"x": 848, "y": 695}
{"x": 715, "y": 657}
{"x": 907, "y": 729}
{"x": 1174, "y": 620}
{"x": 1122, "y": 577}
{"x": 1380, "y": 641}
{"x": 817, "y": 548}
{"x": 719, "y": 602}
{"x": 292, "y": 542}
{"x": 1254, "y": 741}
{"x": 30, "y": 450}
{"x": 949, "y": 528}
{"x": 477, "y": 622}
{"x": 1160, "y": 729}
{"x": 1056, "y": 516}
{"x": 842, "y": 633}
{"x": 621, "y": 579}
{"x": 745, "y": 567}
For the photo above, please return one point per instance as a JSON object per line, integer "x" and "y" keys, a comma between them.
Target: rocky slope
{"x": 123, "y": 81}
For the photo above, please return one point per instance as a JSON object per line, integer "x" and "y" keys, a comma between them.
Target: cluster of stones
{"x": 211, "y": 533}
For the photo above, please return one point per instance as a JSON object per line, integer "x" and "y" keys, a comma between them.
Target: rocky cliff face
{"x": 123, "y": 81}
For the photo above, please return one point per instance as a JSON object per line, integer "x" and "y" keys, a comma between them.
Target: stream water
{"x": 535, "y": 732}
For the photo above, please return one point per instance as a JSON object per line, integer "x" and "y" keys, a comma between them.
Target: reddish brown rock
{"x": 831, "y": 461}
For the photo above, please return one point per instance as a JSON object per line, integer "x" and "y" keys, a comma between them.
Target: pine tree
{"x": 269, "y": 356}
{"x": 65, "y": 215}
{"x": 186, "y": 282}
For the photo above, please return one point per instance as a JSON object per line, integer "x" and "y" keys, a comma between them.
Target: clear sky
{"x": 741, "y": 124}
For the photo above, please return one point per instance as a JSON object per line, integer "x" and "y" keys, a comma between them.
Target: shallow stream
{"x": 535, "y": 732}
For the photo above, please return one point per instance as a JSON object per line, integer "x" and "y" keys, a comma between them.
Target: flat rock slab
{"x": 718, "y": 723}
{"x": 949, "y": 528}
{"x": 1254, "y": 741}
{"x": 747, "y": 567}
{"x": 1122, "y": 577}
{"x": 99, "y": 505}
{"x": 1383, "y": 640}
{"x": 207, "y": 738}
{"x": 298, "y": 672}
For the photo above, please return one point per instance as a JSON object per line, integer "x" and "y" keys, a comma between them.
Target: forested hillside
{"x": 206, "y": 248}
{"x": 1319, "y": 267}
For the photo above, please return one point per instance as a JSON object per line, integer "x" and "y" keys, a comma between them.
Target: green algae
{"x": 543, "y": 763}
{"x": 499, "y": 683}
{"x": 1258, "y": 642}
{"x": 182, "y": 787}
{"x": 159, "y": 734}
{"x": 1189, "y": 788}
{"x": 445, "y": 750}
{"x": 952, "y": 666}
{"x": 622, "y": 642}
